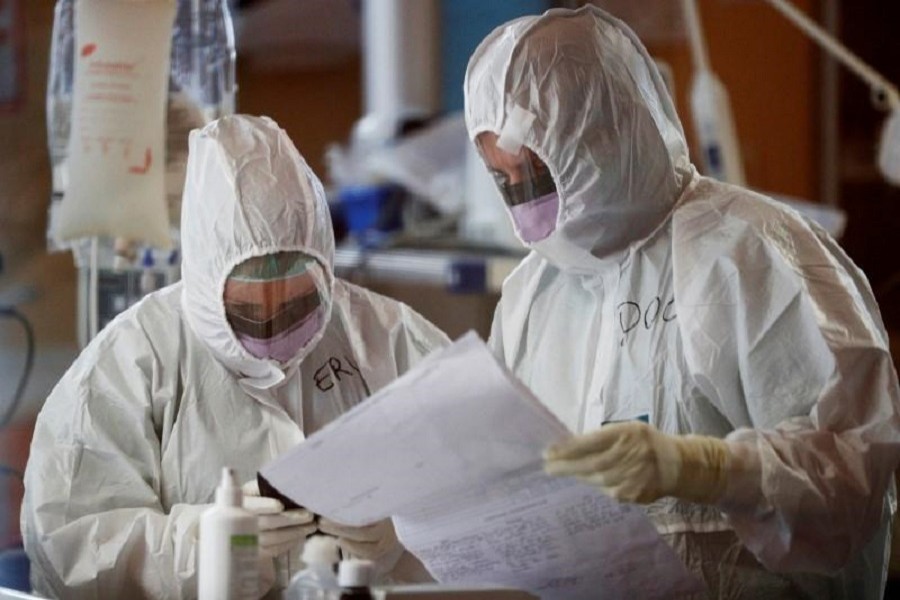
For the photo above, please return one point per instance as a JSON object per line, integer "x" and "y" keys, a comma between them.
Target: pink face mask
{"x": 284, "y": 346}
{"x": 536, "y": 219}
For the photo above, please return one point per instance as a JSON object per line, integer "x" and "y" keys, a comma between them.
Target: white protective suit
{"x": 697, "y": 306}
{"x": 130, "y": 445}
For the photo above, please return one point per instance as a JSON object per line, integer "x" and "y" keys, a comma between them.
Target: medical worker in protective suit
{"x": 718, "y": 356}
{"x": 256, "y": 348}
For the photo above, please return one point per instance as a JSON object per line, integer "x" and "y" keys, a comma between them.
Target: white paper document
{"x": 452, "y": 451}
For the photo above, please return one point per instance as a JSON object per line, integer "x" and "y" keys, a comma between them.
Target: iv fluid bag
{"x": 201, "y": 87}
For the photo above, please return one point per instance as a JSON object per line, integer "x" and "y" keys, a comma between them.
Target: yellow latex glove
{"x": 635, "y": 462}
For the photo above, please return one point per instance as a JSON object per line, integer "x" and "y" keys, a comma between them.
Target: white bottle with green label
{"x": 229, "y": 550}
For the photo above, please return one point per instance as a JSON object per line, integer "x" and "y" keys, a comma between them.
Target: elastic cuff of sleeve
{"x": 704, "y": 468}
{"x": 742, "y": 489}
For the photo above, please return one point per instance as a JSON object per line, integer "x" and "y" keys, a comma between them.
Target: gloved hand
{"x": 635, "y": 462}
{"x": 376, "y": 542}
{"x": 279, "y": 530}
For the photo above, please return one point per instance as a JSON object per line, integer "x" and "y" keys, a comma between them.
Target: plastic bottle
{"x": 711, "y": 108}
{"x": 355, "y": 576}
{"x": 148, "y": 274}
{"x": 173, "y": 267}
{"x": 316, "y": 581}
{"x": 716, "y": 132}
{"x": 229, "y": 546}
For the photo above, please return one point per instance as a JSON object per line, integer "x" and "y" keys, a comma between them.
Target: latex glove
{"x": 635, "y": 462}
{"x": 251, "y": 488}
{"x": 376, "y": 542}
{"x": 279, "y": 530}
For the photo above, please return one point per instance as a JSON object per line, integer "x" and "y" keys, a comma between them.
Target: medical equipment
{"x": 116, "y": 178}
{"x": 355, "y": 576}
{"x": 10, "y": 299}
{"x": 401, "y": 72}
{"x": 201, "y": 87}
{"x": 8, "y": 405}
{"x": 885, "y": 95}
{"x": 104, "y": 291}
{"x": 711, "y": 109}
{"x": 317, "y": 580}
{"x": 229, "y": 547}
{"x": 148, "y": 278}
{"x": 401, "y": 43}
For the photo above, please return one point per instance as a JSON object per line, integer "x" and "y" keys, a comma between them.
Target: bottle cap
{"x": 229, "y": 493}
{"x": 356, "y": 573}
{"x": 320, "y": 550}
{"x": 147, "y": 259}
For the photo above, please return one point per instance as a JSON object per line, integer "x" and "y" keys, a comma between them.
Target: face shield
{"x": 526, "y": 185}
{"x": 274, "y": 305}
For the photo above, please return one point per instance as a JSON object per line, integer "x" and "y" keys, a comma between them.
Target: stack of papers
{"x": 452, "y": 451}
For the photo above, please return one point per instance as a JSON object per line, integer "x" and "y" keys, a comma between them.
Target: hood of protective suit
{"x": 579, "y": 89}
{"x": 248, "y": 193}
